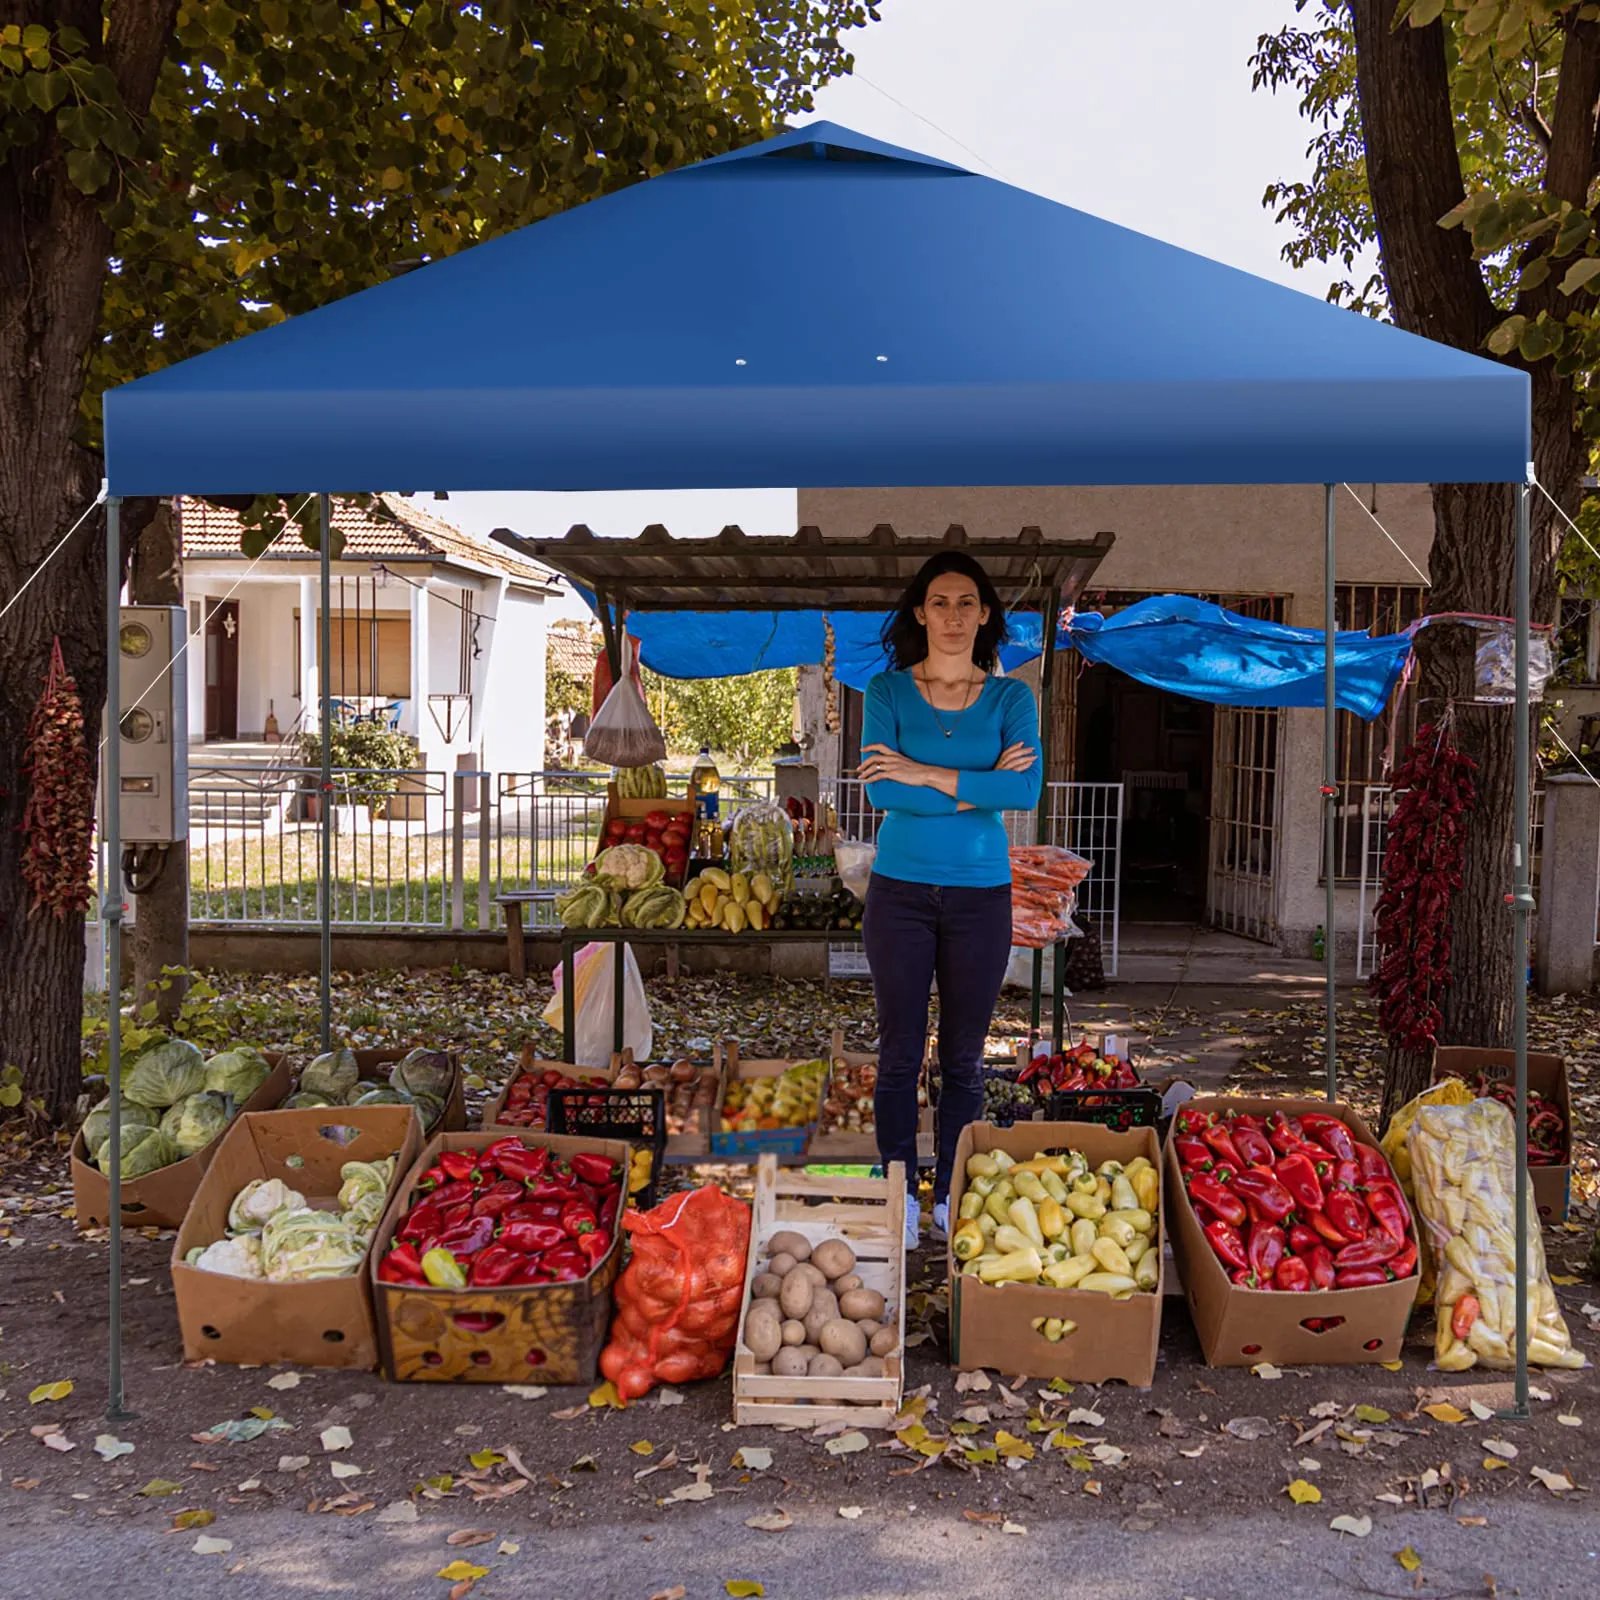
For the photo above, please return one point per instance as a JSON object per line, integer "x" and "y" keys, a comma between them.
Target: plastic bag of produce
{"x": 1463, "y": 1163}
{"x": 761, "y": 839}
{"x": 623, "y": 733}
{"x": 853, "y": 862}
{"x": 1396, "y": 1144}
{"x": 593, "y": 988}
{"x": 678, "y": 1299}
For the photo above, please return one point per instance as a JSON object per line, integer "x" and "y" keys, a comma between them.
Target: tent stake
{"x": 325, "y": 814}
{"x": 1330, "y": 785}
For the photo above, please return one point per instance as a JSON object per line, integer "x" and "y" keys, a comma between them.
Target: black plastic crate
{"x": 1007, "y": 1119}
{"x": 637, "y": 1115}
{"x": 1120, "y": 1109}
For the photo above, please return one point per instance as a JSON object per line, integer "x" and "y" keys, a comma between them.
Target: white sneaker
{"x": 913, "y": 1224}
{"x": 941, "y": 1219}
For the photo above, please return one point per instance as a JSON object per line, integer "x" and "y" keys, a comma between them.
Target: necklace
{"x": 966, "y": 706}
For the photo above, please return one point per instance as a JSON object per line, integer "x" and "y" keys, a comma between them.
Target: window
{"x": 354, "y": 644}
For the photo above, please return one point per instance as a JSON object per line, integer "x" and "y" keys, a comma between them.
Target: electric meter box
{"x": 153, "y": 709}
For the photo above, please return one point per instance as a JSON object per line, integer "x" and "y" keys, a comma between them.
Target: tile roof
{"x": 391, "y": 529}
{"x": 572, "y": 648}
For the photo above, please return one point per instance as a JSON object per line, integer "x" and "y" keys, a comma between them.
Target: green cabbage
{"x": 237, "y": 1072}
{"x": 423, "y": 1072}
{"x": 164, "y": 1074}
{"x": 144, "y": 1150}
{"x": 430, "y": 1108}
{"x": 196, "y": 1120}
{"x": 334, "y": 1074}
{"x": 97, "y": 1125}
{"x": 382, "y": 1095}
{"x": 305, "y": 1100}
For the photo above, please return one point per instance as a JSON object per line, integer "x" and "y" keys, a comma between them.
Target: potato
{"x": 789, "y": 1363}
{"x": 844, "y": 1340}
{"x": 761, "y": 1334}
{"x": 869, "y": 1367}
{"x": 762, "y": 1369}
{"x": 795, "y": 1244}
{"x": 782, "y": 1264}
{"x": 851, "y": 1280}
{"x": 824, "y": 1309}
{"x": 862, "y": 1303}
{"x": 885, "y": 1342}
{"x": 793, "y": 1332}
{"x": 812, "y": 1274}
{"x": 795, "y": 1296}
{"x": 835, "y": 1257}
{"x": 867, "y": 1325}
{"x": 824, "y": 1366}
{"x": 765, "y": 1286}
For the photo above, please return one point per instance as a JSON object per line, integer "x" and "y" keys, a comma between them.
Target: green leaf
{"x": 35, "y": 37}
{"x": 1581, "y": 274}
{"x": 1503, "y": 339}
{"x": 89, "y": 170}
{"x": 1419, "y": 13}
{"x": 1373, "y": 1414}
{"x": 46, "y": 89}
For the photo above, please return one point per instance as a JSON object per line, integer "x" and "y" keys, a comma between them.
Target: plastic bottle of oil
{"x": 705, "y": 789}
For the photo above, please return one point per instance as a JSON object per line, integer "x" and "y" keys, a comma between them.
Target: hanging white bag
{"x": 593, "y": 988}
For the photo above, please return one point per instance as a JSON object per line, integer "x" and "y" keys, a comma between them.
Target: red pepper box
{"x": 1239, "y": 1326}
{"x": 532, "y": 1063}
{"x": 490, "y": 1331}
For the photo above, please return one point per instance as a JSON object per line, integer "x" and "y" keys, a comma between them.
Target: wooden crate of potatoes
{"x": 822, "y": 1332}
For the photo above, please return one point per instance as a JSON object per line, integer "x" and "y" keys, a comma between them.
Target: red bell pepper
{"x": 594, "y": 1246}
{"x": 590, "y": 1168}
{"x": 553, "y": 1186}
{"x": 1330, "y": 1133}
{"x": 494, "y": 1266}
{"x": 1389, "y": 1211}
{"x": 1360, "y": 1277}
{"x": 1264, "y": 1189}
{"x": 1299, "y": 1177}
{"x": 1319, "y": 1260}
{"x": 1348, "y": 1214}
{"x": 1375, "y": 1166}
{"x": 424, "y": 1222}
{"x": 1302, "y": 1240}
{"x": 1248, "y": 1119}
{"x": 1253, "y": 1146}
{"x": 1372, "y": 1251}
{"x": 432, "y": 1178}
{"x": 1245, "y": 1279}
{"x": 467, "y": 1239}
{"x": 1209, "y": 1192}
{"x": 1225, "y": 1240}
{"x": 1329, "y": 1234}
{"x": 462, "y": 1164}
{"x": 1283, "y": 1134}
{"x": 566, "y": 1263}
{"x": 608, "y": 1213}
{"x": 1292, "y": 1275}
{"x": 1193, "y": 1155}
{"x": 1344, "y": 1175}
{"x": 401, "y": 1265}
{"x": 451, "y": 1191}
{"x": 527, "y": 1166}
{"x": 578, "y": 1216}
{"x": 1404, "y": 1262}
{"x": 1468, "y": 1308}
{"x": 501, "y": 1148}
{"x": 498, "y": 1198}
{"x": 533, "y": 1211}
{"x": 1193, "y": 1121}
{"x": 1265, "y": 1251}
{"x": 531, "y": 1238}
{"x": 1220, "y": 1142}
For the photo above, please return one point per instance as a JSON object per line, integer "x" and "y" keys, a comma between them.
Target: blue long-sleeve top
{"x": 925, "y": 838}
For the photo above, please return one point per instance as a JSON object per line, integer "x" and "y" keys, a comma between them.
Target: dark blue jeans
{"x": 914, "y": 932}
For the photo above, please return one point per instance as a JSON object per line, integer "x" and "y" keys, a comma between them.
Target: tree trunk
{"x": 161, "y": 933}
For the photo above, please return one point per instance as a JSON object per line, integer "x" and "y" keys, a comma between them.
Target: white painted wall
{"x": 513, "y": 710}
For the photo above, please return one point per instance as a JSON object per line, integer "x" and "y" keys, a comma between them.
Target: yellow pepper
{"x": 981, "y": 1165}
{"x": 1083, "y": 1234}
{"x": 1020, "y": 1266}
{"x": 995, "y": 1206}
{"x": 1052, "y": 1219}
{"x": 442, "y": 1270}
{"x": 1110, "y": 1256}
{"x": 1003, "y": 1159}
{"x": 1086, "y": 1205}
{"x": 967, "y": 1240}
{"x": 1023, "y": 1216}
{"x": 1102, "y": 1187}
{"x": 1122, "y": 1196}
{"x": 1117, "y": 1229}
{"x": 1147, "y": 1189}
{"x": 1086, "y": 1183}
{"x": 1055, "y": 1329}
{"x": 1137, "y": 1250}
{"x": 1116, "y": 1284}
{"x": 1029, "y": 1187}
{"x": 1138, "y": 1219}
{"x": 1147, "y": 1270}
{"x": 1008, "y": 1238}
{"x": 984, "y": 1184}
{"x": 971, "y": 1206}
{"x": 1136, "y": 1166}
{"x": 1054, "y": 1187}
{"x": 1070, "y": 1273}
{"x": 987, "y": 1225}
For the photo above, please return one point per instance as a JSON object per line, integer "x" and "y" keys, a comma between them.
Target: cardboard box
{"x": 842, "y": 1145}
{"x": 788, "y": 1144}
{"x": 637, "y": 811}
{"x": 374, "y": 1066}
{"x": 990, "y": 1323}
{"x": 1239, "y": 1327}
{"x": 160, "y": 1199}
{"x": 532, "y": 1333}
{"x": 327, "y": 1323}
{"x": 531, "y": 1062}
{"x": 1552, "y": 1186}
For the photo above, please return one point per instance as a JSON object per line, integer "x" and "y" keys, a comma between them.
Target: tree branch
{"x": 1414, "y": 177}
{"x": 1570, "y": 168}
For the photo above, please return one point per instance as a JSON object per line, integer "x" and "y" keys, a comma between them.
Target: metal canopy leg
{"x": 1041, "y": 815}
{"x": 325, "y": 811}
{"x": 1330, "y": 786}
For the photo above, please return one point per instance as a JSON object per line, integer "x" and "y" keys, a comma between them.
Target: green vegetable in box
{"x": 97, "y": 1125}
{"x": 196, "y": 1120}
{"x": 144, "y": 1150}
{"x": 642, "y": 783}
{"x": 657, "y": 907}
{"x": 238, "y": 1072}
{"x": 628, "y": 866}
{"x": 334, "y": 1074}
{"x": 583, "y": 907}
{"x": 423, "y": 1073}
{"x": 260, "y": 1199}
{"x": 165, "y": 1073}
{"x": 306, "y": 1100}
{"x": 377, "y": 1095}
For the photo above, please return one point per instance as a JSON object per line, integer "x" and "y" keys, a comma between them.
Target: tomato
{"x": 616, "y": 827}
{"x": 657, "y": 820}
{"x": 634, "y": 833}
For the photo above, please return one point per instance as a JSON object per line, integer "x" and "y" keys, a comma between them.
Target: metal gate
{"x": 1241, "y": 894}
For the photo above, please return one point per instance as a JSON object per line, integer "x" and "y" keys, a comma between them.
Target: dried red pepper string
{"x": 58, "y": 816}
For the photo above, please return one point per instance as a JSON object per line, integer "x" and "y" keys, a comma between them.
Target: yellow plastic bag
{"x": 1463, "y": 1161}
{"x": 593, "y": 986}
{"x": 1396, "y": 1144}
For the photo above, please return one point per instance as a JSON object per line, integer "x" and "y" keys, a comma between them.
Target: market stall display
{"x": 1044, "y": 888}
{"x": 176, "y": 1106}
{"x": 679, "y": 1297}
{"x": 1292, "y": 1235}
{"x": 663, "y": 831}
{"x": 1072, "y": 1288}
{"x": 524, "y": 1102}
{"x": 847, "y": 1129}
{"x": 1491, "y": 1073}
{"x": 761, "y": 842}
{"x": 495, "y": 1260}
{"x": 307, "y": 1189}
{"x": 431, "y": 1080}
{"x": 623, "y": 887}
{"x": 770, "y": 1105}
{"x": 822, "y": 1332}
{"x": 690, "y": 1092}
{"x": 732, "y": 901}
{"x": 1464, "y": 1165}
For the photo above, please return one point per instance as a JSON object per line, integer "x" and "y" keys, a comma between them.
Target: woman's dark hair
{"x": 905, "y": 640}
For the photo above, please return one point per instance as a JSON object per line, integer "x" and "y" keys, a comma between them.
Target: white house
{"x": 433, "y": 632}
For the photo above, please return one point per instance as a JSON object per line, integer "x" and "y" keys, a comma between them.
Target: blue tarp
{"x": 1171, "y": 641}
{"x": 818, "y": 309}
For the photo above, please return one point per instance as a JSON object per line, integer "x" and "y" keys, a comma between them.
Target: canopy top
{"x": 735, "y": 571}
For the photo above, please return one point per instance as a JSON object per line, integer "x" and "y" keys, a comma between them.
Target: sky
{"x": 1152, "y": 125}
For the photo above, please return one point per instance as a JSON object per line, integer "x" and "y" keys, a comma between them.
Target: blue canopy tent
{"x": 821, "y": 309}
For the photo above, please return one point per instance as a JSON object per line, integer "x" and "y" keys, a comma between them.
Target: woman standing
{"x": 946, "y": 747}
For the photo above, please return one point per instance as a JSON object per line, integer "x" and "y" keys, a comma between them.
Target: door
{"x": 222, "y": 669}
{"x": 1244, "y": 822}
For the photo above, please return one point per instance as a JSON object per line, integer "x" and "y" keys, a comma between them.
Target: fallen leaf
{"x": 849, "y": 1513}
{"x": 770, "y": 1521}
{"x": 754, "y": 1457}
{"x": 1109, "y": 1455}
{"x": 1090, "y": 1419}
{"x": 670, "y": 1397}
{"x": 1012, "y": 1527}
{"x": 584, "y": 1464}
{"x": 972, "y": 1382}
{"x": 606, "y": 1395}
{"x": 293, "y": 1463}
{"x": 1326, "y": 1408}
{"x": 989, "y": 1518}
{"x": 1009, "y": 1445}
{"x": 1555, "y": 1482}
{"x": 743, "y": 1588}
{"x": 1443, "y": 1411}
{"x": 284, "y": 1380}
{"x": 336, "y": 1439}
{"x": 1482, "y": 1412}
{"x": 846, "y": 1444}
{"x": 1567, "y": 1420}
{"x": 1303, "y": 1493}
{"x": 1499, "y": 1447}
{"x": 1493, "y": 1464}
{"x": 249, "y": 1484}
{"x": 1536, "y": 1393}
{"x": 1265, "y": 1369}
{"x": 463, "y": 1537}
{"x": 1248, "y": 1427}
{"x": 208, "y": 1545}
{"x": 1356, "y": 1527}
{"x": 525, "y": 1391}
{"x": 1309, "y": 1464}
{"x": 159, "y": 1486}
{"x": 567, "y": 1413}
{"x": 485, "y": 1458}
{"x": 397, "y": 1511}
{"x": 1092, "y": 1486}
{"x": 676, "y": 1592}
{"x": 642, "y": 1447}
{"x": 1408, "y": 1558}
{"x": 193, "y": 1519}
{"x": 58, "y": 1441}
{"x": 459, "y": 1570}
{"x": 988, "y": 1456}
{"x": 507, "y": 1547}
{"x": 1372, "y": 1414}
{"x": 108, "y": 1447}
{"x": 1473, "y": 1522}
{"x": 1565, "y": 1280}
{"x": 1391, "y": 1366}
{"x": 345, "y": 1469}
{"x": 1193, "y": 1455}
